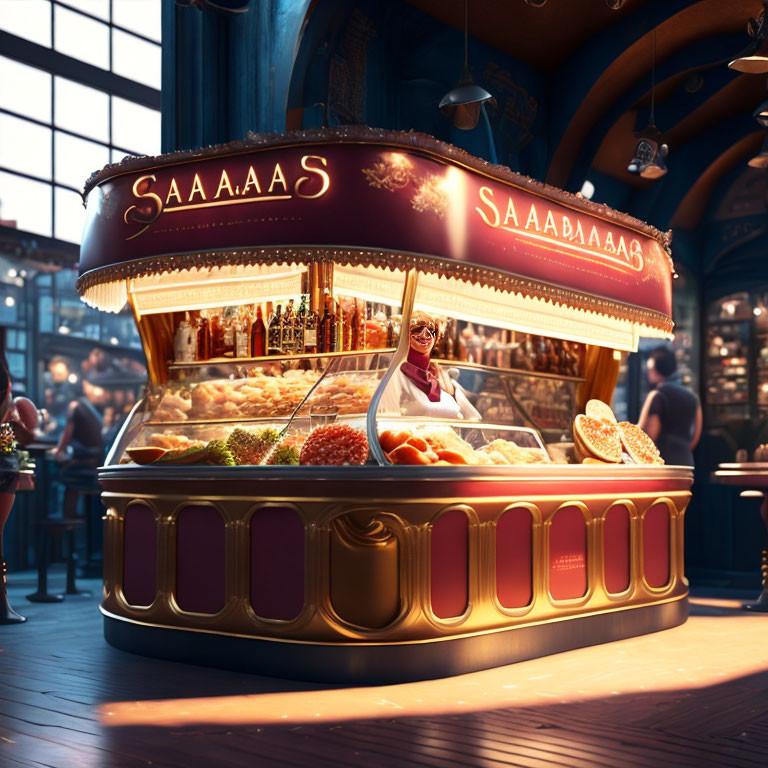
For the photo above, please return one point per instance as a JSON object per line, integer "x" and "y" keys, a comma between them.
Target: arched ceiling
{"x": 599, "y": 62}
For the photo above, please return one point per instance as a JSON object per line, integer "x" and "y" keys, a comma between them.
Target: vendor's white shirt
{"x": 403, "y": 397}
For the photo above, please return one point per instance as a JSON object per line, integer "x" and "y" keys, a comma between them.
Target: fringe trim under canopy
{"x": 106, "y": 288}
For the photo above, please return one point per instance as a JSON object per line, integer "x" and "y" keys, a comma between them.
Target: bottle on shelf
{"x": 217, "y": 334}
{"x": 326, "y": 335}
{"x": 309, "y": 330}
{"x": 228, "y": 334}
{"x": 203, "y": 332}
{"x": 450, "y": 340}
{"x": 390, "y": 340}
{"x": 258, "y": 334}
{"x": 288, "y": 332}
{"x": 275, "y": 332}
{"x": 242, "y": 334}
{"x": 340, "y": 327}
{"x": 358, "y": 327}
{"x": 185, "y": 342}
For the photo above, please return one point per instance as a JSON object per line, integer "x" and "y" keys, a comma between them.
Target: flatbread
{"x": 597, "y": 409}
{"x": 638, "y": 445}
{"x": 598, "y": 438}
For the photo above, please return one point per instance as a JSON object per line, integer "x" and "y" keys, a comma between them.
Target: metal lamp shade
{"x": 760, "y": 160}
{"x": 462, "y": 104}
{"x": 754, "y": 60}
{"x": 761, "y": 114}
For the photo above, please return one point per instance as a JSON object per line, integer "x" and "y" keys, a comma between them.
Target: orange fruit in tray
{"x": 452, "y": 457}
{"x": 599, "y": 438}
{"x": 418, "y": 443}
{"x": 638, "y": 445}
{"x": 146, "y": 455}
{"x": 408, "y": 454}
{"x": 389, "y": 440}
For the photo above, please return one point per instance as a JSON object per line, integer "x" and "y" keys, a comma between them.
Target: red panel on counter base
{"x": 568, "y": 554}
{"x": 514, "y": 545}
{"x": 140, "y": 555}
{"x": 656, "y": 545}
{"x": 449, "y": 564}
{"x": 616, "y": 549}
{"x": 277, "y": 563}
{"x": 200, "y": 585}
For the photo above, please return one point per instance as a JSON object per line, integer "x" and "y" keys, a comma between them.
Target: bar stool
{"x": 48, "y": 530}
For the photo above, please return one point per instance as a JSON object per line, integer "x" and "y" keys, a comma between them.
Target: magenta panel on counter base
{"x": 616, "y": 549}
{"x": 200, "y": 560}
{"x": 140, "y": 555}
{"x": 656, "y": 545}
{"x": 568, "y": 554}
{"x": 449, "y": 562}
{"x": 277, "y": 563}
{"x": 514, "y": 545}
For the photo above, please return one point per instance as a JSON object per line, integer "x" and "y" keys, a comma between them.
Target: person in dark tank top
{"x": 671, "y": 414}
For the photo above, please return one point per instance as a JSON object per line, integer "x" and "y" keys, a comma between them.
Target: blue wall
{"x": 387, "y": 64}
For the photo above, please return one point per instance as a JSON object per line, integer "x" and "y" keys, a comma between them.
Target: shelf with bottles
{"x": 248, "y": 332}
{"x": 730, "y": 309}
{"x": 470, "y": 343}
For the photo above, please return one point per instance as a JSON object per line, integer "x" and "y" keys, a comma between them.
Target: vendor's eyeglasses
{"x": 416, "y": 330}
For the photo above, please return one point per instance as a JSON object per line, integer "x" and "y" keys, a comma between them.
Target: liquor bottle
{"x": 228, "y": 334}
{"x": 358, "y": 328}
{"x": 450, "y": 340}
{"x": 275, "y": 332}
{"x": 242, "y": 335}
{"x": 339, "y": 326}
{"x": 326, "y": 329}
{"x": 203, "y": 336}
{"x": 309, "y": 327}
{"x": 185, "y": 342}
{"x": 390, "y": 332}
{"x": 301, "y": 321}
{"x": 288, "y": 332}
{"x": 258, "y": 335}
{"x": 217, "y": 334}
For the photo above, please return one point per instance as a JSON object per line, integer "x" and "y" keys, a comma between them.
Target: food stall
{"x": 272, "y": 506}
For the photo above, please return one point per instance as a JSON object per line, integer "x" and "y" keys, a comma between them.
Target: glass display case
{"x": 286, "y": 397}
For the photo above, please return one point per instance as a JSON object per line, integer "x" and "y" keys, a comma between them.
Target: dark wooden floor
{"x": 59, "y": 680}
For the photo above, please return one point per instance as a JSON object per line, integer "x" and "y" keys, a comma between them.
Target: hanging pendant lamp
{"x": 464, "y": 102}
{"x": 753, "y": 60}
{"x": 648, "y": 160}
{"x": 760, "y": 160}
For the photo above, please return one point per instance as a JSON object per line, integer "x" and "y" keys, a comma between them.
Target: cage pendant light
{"x": 648, "y": 160}
{"x": 463, "y": 103}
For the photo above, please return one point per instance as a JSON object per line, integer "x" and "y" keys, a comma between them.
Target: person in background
{"x": 19, "y": 420}
{"x": 671, "y": 414}
{"x": 83, "y": 435}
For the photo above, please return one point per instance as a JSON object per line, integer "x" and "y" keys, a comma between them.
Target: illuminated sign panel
{"x": 362, "y": 196}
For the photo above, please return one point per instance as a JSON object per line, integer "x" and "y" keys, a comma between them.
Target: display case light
{"x": 380, "y": 286}
{"x": 184, "y": 290}
{"x": 484, "y": 305}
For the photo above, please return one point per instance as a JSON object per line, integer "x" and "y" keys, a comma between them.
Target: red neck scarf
{"x": 423, "y": 374}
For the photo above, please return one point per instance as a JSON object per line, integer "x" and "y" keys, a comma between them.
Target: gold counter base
{"x": 387, "y": 663}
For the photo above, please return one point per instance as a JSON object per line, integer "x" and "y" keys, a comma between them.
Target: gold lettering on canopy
{"x": 560, "y": 231}
{"x": 309, "y": 180}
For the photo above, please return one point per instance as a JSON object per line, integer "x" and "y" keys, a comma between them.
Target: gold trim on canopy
{"x": 106, "y": 288}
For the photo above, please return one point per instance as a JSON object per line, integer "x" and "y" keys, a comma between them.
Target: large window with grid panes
{"x": 79, "y": 88}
